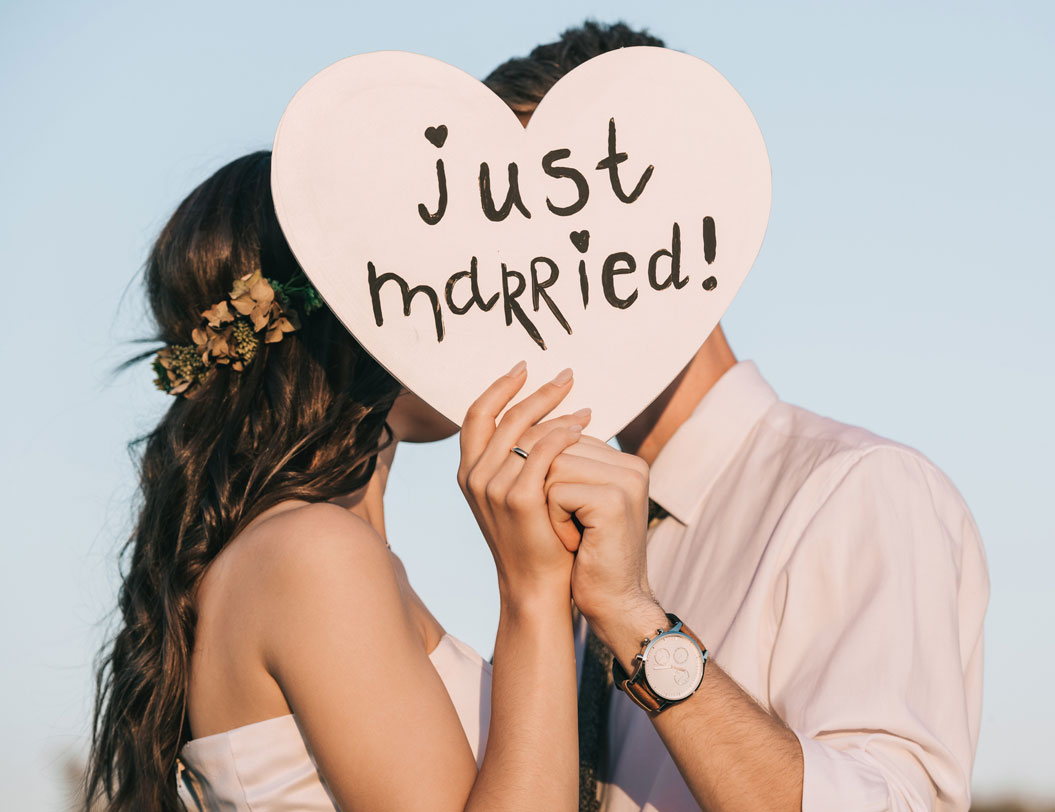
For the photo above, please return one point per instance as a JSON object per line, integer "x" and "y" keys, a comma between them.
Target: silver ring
{"x": 519, "y": 451}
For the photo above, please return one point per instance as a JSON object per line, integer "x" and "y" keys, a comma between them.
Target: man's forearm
{"x": 732, "y": 753}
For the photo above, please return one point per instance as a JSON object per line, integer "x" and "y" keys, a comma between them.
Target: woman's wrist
{"x": 535, "y": 602}
{"x": 534, "y": 637}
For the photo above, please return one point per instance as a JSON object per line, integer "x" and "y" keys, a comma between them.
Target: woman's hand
{"x": 506, "y": 492}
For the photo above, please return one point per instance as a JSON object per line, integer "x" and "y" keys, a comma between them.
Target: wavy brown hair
{"x": 304, "y": 420}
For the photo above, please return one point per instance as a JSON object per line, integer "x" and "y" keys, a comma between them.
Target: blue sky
{"x": 905, "y": 285}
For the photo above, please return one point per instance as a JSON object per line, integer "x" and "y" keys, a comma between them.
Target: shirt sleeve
{"x": 877, "y": 654}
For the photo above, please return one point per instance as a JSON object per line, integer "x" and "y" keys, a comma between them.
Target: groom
{"x": 835, "y": 580}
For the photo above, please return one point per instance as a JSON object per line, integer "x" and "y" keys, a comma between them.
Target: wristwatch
{"x": 668, "y": 670}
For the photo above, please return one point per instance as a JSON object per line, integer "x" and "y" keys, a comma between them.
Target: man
{"x": 836, "y": 579}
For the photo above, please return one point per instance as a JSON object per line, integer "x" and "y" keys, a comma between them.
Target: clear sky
{"x": 905, "y": 285}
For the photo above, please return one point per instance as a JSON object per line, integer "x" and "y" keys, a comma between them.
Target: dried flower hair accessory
{"x": 231, "y": 330}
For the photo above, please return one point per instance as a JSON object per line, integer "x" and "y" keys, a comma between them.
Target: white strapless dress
{"x": 266, "y": 766}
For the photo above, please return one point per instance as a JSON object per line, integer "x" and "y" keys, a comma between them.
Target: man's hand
{"x": 604, "y": 492}
{"x": 752, "y": 760}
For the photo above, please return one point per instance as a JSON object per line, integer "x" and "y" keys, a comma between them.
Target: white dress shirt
{"x": 840, "y": 579}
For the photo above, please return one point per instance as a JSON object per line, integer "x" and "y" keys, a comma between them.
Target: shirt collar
{"x": 691, "y": 461}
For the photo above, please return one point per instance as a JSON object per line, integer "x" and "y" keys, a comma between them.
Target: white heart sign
{"x": 609, "y": 235}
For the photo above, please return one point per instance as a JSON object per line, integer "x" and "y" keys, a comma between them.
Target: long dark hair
{"x": 304, "y": 420}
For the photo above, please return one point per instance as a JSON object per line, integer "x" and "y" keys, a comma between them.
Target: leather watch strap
{"x": 636, "y": 689}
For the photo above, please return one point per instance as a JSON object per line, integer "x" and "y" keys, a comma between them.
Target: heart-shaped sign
{"x": 609, "y": 235}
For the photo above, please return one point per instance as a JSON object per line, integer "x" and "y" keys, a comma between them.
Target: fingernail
{"x": 562, "y": 377}
{"x": 575, "y": 429}
{"x": 517, "y": 370}
{"x": 582, "y": 414}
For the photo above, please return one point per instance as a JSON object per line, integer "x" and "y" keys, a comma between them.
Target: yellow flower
{"x": 178, "y": 368}
{"x": 245, "y": 342}
{"x": 218, "y": 314}
{"x": 212, "y": 344}
{"x": 280, "y": 325}
{"x": 253, "y": 296}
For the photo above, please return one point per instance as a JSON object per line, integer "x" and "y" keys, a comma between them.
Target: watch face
{"x": 673, "y": 666}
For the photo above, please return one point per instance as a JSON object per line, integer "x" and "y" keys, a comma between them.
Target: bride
{"x": 272, "y": 654}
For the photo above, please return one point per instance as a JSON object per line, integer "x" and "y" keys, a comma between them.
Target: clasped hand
{"x": 571, "y": 515}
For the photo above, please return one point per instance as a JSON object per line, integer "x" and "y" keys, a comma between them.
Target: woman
{"x": 272, "y": 651}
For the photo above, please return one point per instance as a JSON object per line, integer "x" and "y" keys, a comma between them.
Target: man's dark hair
{"x": 521, "y": 82}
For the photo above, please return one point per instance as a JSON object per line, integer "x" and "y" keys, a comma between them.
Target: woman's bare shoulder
{"x": 318, "y": 534}
{"x": 297, "y": 523}
{"x": 307, "y": 552}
